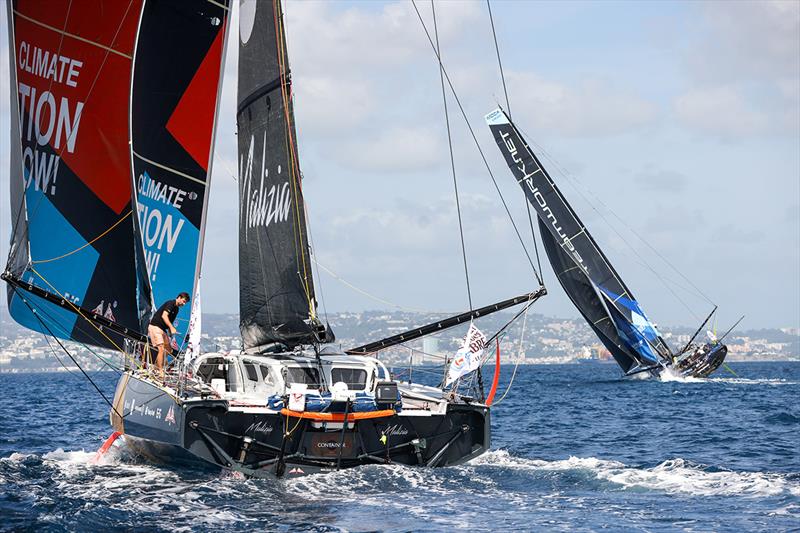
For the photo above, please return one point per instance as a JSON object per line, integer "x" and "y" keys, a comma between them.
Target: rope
{"x": 54, "y": 321}
{"x": 535, "y": 242}
{"x": 474, "y": 137}
{"x": 362, "y": 291}
{"x": 76, "y": 250}
{"x": 32, "y": 214}
{"x": 519, "y": 357}
{"x": 49, "y": 89}
{"x": 294, "y": 168}
{"x": 78, "y": 311}
{"x": 452, "y": 159}
{"x": 575, "y": 183}
{"x": 44, "y": 325}
{"x": 508, "y": 107}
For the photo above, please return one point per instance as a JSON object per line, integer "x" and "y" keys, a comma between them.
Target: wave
{"x": 124, "y": 488}
{"x": 674, "y": 476}
{"x": 669, "y": 375}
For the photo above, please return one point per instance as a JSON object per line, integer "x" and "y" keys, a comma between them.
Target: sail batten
{"x": 585, "y": 273}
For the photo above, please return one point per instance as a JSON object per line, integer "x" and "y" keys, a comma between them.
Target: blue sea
{"x": 575, "y": 448}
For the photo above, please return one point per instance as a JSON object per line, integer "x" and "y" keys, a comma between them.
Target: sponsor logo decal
{"x": 170, "y": 418}
{"x": 260, "y": 427}
{"x": 395, "y": 430}
{"x": 52, "y": 120}
{"x": 527, "y": 177}
{"x": 263, "y": 205}
{"x": 160, "y": 229}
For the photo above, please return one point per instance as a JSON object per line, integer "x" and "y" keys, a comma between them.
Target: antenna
{"x": 731, "y": 329}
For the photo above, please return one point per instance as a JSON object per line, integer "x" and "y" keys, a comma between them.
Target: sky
{"x": 673, "y": 128}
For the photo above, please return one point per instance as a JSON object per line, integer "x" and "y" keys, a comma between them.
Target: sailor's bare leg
{"x": 160, "y": 360}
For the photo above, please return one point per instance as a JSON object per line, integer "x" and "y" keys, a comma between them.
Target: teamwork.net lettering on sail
{"x": 469, "y": 357}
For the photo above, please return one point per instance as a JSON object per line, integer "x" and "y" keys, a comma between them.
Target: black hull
{"x": 702, "y": 363}
{"x": 212, "y": 433}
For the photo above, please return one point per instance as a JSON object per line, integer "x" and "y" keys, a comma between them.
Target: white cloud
{"x": 661, "y": 180}
{"x": 401, "y": 149}
{"x": 744, "y": 64}
{"x": 746, "y": 40}
{"x": 590, "y": 108}
{"x": 722, "y": 110}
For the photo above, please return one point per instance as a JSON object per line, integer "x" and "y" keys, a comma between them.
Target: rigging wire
{"x": 55, "y": 354}
{"x": 66, "y": 332}
{"x": 576, "y": 185}
{"x": 78, "y": 311}
{"x": 535, "y": 242}
{"x": 519, "y": 356}
{"x": 499, "y": 62}
{"x": 338, "y": 278}
{"x": 49, "y": 89}
{"x": 294, "y": 167}
{"x": 508, "y": 107}
{"x": 452, "y": 159}
{"x": 315, "y": 263}
{"x": 474, "y": 137}
{"x": 64, "y": 349}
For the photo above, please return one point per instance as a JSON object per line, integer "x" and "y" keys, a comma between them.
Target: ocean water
{"x": 575, "y": 448}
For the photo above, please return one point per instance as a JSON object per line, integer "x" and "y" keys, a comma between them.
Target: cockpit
{"x": 257, "y": 377}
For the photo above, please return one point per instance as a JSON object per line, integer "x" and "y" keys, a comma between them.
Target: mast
{"x": 276, "y": 288}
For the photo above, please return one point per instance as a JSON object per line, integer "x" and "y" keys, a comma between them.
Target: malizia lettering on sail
{"x": 51, "y": 120}
{"x": 264, "y": 206}
{"x": 528, "y": 178}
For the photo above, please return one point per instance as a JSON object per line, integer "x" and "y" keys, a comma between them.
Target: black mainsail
{"x": 584, "y": 272}
{"x": 276, "y": 295}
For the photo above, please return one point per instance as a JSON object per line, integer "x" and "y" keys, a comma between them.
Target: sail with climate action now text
{"x": 73, "y": 243}
{"x": 177, "y": 74}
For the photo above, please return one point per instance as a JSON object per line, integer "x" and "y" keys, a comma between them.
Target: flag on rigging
{"x": 193, "y": 333}
{"x": 469, "y": 357}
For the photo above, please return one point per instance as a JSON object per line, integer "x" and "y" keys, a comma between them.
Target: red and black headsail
{"x": 72, "y": 216}
{"x": 177, "y": 74}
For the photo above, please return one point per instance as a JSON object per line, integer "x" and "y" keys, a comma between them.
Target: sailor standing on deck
{"x": 161, "y": 328}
